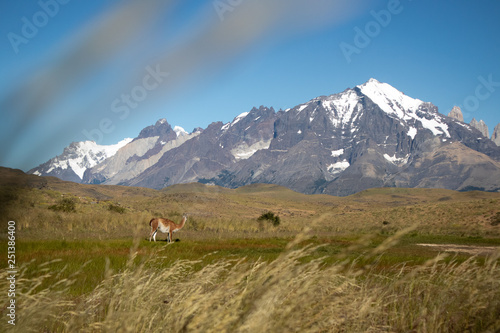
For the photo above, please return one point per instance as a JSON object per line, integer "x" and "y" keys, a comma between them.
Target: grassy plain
{"x": 333, "y": 264}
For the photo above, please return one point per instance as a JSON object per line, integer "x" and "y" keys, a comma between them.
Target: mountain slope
{"x": 451, "y": 166}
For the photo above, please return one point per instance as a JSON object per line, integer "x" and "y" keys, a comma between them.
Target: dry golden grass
{"x": 284, "y": 295}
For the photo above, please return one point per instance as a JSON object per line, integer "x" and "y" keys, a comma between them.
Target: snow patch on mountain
{"x": 337, "y": 153}
{"x": 179, "y": 131}
{"x": 239, "y": 117}
{"x": 411, "y": 132}
{"x": 397, "y": 160}
{"x": 302, "y": 107}
{"x": 435, "y": 126}
{"x": 338, "y": 166}
{"x": 341, "y": 107}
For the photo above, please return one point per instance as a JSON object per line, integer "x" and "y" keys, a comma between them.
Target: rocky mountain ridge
{"x": 480, "y": 125}
{"x": 368, "y": 136}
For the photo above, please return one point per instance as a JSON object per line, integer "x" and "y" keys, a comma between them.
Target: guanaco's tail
{"x": 151, "y": 221}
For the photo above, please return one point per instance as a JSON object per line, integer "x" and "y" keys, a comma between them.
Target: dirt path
{"x": 470, "y": 249}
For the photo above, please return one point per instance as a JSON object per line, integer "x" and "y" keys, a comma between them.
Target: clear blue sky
{"x": 67, "y": 66}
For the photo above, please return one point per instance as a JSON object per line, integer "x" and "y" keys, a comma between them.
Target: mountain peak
{"x": 161, "y": 128}
{"x": 390, "y": 100}
{"x": 373, "y": 81}
{"x": 456, "y": 113}
{"x": 495, "y": 137}
{"x": 261, "y": 108}
{"x": 374, "y": 86}
{"x": 480, "y": 126}
{"x": 161, "y": 122}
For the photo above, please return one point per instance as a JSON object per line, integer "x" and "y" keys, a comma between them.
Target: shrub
{"x": 270, "y": 216}
{"x": 116, "y": 209}
{"x": 495, "y": 219}
{"x": 67, "y": 205}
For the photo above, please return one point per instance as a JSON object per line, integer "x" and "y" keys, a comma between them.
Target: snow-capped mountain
{"x": 368, "y": 136}
{"x": 371, "y": 135}
{"x": 412, "y": 113}
{"x": 76, "y": 159}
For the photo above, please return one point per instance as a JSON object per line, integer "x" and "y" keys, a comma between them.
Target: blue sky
{"x": 195, "y": 62}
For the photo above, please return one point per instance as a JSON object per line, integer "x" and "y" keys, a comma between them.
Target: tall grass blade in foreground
{"x": 290, "y": 294}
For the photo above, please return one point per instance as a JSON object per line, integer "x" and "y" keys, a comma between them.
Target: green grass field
{"x": 353, "y": 264}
